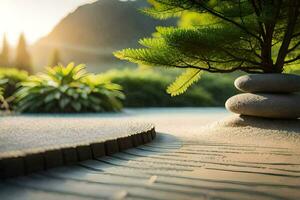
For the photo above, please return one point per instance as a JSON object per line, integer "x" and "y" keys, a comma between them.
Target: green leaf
{"x": 76, "y": 105}
{"x": 50, "y": 97}
{"x": 66, "y": 89}
{"x": 63, "y": 102}
{"x": 161, "y": 10}
{"x": 184, "y": 81}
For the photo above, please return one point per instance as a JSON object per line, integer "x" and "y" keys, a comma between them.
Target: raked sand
{"x": 198, "y": 154}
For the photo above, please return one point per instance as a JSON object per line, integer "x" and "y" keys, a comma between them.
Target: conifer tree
{"x": 23, "y": 60}
{"x": 221, "y": 36}
{"x": 4, "y": 56}
{"x": 55, "y": 58}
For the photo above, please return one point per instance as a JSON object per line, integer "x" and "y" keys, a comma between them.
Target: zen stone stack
{"x": 267, "y": 95}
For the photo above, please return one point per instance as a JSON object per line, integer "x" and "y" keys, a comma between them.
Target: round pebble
{"x": 281, "y": 106}
{"x": 276, "y": 83}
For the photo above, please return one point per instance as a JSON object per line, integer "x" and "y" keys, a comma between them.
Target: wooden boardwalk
{"x": 178, "y": 164}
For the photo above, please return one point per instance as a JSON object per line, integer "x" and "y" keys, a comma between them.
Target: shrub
{"x": 219, "y": 86}
{"x": 10, "y": 78}
{"x": 146, "y": 88}
{"x": 1, "y": 97}
{"x": 67, "y": 90}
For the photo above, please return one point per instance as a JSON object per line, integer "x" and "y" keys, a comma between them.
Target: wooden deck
{"x": 179, "y": 164}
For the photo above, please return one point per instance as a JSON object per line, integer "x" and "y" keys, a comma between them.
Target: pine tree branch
{"x": 294, "y": 47}
{"x": 292, "y": 60}
{"x": 213, "y": 12}
{"x": 266, "y": 47}
{"x": 240, "y": 59}
{"x": 293, "y": 14}
{"x": 253, "y": 69}
{"x": 258, "y": 14}
{"x": 217, "y": 61}
{"x": 221, "y": 16}
{"x": 240, "y": 9}
{"x": 277, "y": 42}
{"x": 296, "y": 35}
{"x": 252, "y": 48}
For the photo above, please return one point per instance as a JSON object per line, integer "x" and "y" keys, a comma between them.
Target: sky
{"x": 35, "y": 18}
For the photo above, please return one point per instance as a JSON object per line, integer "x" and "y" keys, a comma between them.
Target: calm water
{"x": 168, "y": 111}
{"x": 129, "y": 112}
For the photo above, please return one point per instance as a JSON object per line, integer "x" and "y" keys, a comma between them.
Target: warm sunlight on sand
{"x": 33, "y": 17}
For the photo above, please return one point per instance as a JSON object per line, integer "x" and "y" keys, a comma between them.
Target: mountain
{"x": 93, "y": 31}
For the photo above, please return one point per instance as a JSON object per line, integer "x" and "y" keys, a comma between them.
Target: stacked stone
{"x": 267, "y": 95}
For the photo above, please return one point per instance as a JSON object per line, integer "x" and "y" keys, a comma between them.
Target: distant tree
{"x": 23, "y": 60}
{"x": 55, "y": 58}
{"x": 4, "y": 56}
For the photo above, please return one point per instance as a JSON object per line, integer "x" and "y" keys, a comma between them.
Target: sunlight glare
{"x": 35, "y": 18}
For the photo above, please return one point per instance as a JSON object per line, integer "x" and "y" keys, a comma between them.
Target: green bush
{"x": 219, "y": 86}
{"x": 67, "y": 90}
{"x": 10, "y": 79}
{"x": 146, "y": 88}
{"x": 1, "y": 97}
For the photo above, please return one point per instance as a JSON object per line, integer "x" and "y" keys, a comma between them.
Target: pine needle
{"x": 184, "y": 81}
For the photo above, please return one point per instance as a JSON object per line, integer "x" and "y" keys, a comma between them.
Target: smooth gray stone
{"x": 282, "y": 106}
{"x": 277, "y": 83}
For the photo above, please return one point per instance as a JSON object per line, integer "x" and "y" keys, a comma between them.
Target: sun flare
{"x": 35, "y": 18}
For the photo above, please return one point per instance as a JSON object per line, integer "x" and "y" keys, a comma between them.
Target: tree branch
{"x": 292, "y": 60}
{"x": 283, "y": 51}
{"x": 252, "y": 69}
{"x": 215, "y": 13}
{"x": 257, "y": 12}
{"x": 294, "y": 47}
{"x": 240, "y": 59}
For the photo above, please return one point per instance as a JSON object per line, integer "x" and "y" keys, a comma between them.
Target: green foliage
{"x": 1, "y": 96}
{"x": 146, "y": 88}
{"x": 184, "y": 81}
{"x": 219, "y": 86}
{"x": 10, "y": 79}
{"x": 3, "y": 103}
{"x": 23, "y": 59}
{"x": 292, "y": 69}
{"x": 67, "y": 90}
{"x": 220, "y": 37}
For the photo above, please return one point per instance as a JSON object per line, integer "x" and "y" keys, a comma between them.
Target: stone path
{"x": 183, "y": 162}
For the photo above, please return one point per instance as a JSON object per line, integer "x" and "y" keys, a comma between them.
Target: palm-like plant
{"x": 1, "y": 96}
{"x": 10, "y": 79}
{"x": 3, "y": 103}
{"x": 67, "y": 90}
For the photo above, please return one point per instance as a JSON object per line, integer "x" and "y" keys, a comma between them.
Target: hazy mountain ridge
{"x": 93, "y": 31}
